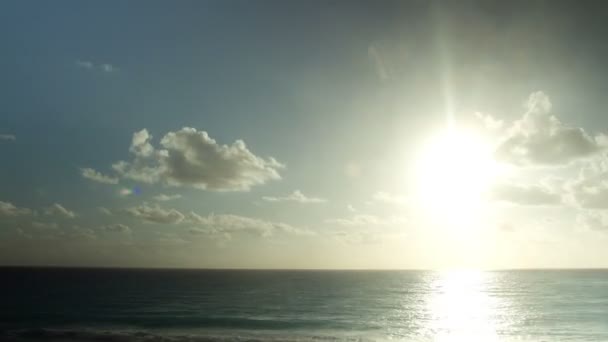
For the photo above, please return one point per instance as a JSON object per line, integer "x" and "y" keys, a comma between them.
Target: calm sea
{"x": 53, "y": 304}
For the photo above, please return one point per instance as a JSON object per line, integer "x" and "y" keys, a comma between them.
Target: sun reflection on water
{"x": 461, "y": 308}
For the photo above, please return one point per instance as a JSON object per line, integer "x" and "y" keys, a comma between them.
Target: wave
{"x": 112, "y": 335}
{"x": 158, "y": 321}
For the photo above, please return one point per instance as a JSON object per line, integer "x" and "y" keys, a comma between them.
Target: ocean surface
{"x": 54, "y": 304}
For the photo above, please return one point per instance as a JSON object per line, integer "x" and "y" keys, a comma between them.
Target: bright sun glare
{"x": 453, "y": 171}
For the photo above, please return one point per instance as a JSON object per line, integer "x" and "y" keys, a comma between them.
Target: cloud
{"x": 214, "y": 224}
{"x": 506, "y": 227}
{"x": 44, "y": 225}
{"x": 378, "y": 62}
{"x": 125, "y": 192}
{"x": 104, "y": 211}
{"x": 590, "y": 189}
{"x": 351, "y": 208}
{"x": 221, "y": 237}
{"x": 191, "y": 158}
{"x": 594, "y": 220}
{"x": 54, "y": 231}
{"x": 364, "y": 237}
{"x": 117, "y": 228}
{"x": 93, "y": 175}
{"x": 84, "y": 64}
{"x": 540, "y": 138}
{"x": 367, "y": 220}
{"x": 489, "y": 122}
{"x": 103, "y": 67}
{"x": 140, "y": 144}
{"x": 8, "y": 137}
{"x": 296, "y": 196}
{"x": 39, "y": 230}
{"x": 77, "y": 232}
{"x": 58, "y": 210}
{"x": 155, "y": 214}
{"x": 107, "y": 67}
{"x": 164, "y": 198}
{"x": 171, "y": 239}
{"x": 527, "y": 195}
{"x": 385, "y": 197}
{"x": 8, "y": 209}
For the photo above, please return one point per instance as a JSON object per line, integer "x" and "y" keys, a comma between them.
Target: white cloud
{"x": 351, "y": 208}
{"x": 214, "y": 224}
{"x": 378, "y": 62}
{"x": 140, "y": 144}
{"x": 191, "y": 158}
{"x": 164, "y": 198}
{"x": 365, "y": 237}
{"x": 590, "y": 189}
{"x": 367, "y": 220}
{"x": 8, "y": 209}
{"x": 77, "y": 232}
{"x": 84, "y": 64}
{"x": 125, "y": 192}
{"x": 8, "y": 137}
{"x": 54, "y": 231}
{"x": 594, "y": 220}
{"x": 44, "y": 225}
{"x": 117, "y": 228}
{"x": 221, "y": 237}
{"x": 93, "y": 175}
{"x": 296, "y": 196}
{"x": 386, "y": 197}
{"x": 526, "y": 194}
{"x": 58, "y": 210}
{"x": 171, "y": 239}
{"x": 541, "y": 138}
{"x": 103, "y": 67}
{"x": 107, "y": 67}
{"x": 155, "y": 214}
{"x": 24, "y": 234}
{"x": 489, "y": 122}
{"x": 105, "y": 211}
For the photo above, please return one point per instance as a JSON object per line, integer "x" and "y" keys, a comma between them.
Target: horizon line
{"x": 308, "y": 269}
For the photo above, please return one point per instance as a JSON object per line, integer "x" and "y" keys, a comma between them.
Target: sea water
{"x": 72, "y": 304}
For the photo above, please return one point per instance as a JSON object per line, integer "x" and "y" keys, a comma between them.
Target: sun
{"x": 453, "y": 172}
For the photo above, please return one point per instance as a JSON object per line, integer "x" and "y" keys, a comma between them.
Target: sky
{"x": 317, "y": 134}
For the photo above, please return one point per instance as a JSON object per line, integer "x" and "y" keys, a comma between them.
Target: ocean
{"x": 75, "y": 304}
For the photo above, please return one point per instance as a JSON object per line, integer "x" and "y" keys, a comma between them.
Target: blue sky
{"x": 334, "y": 101}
